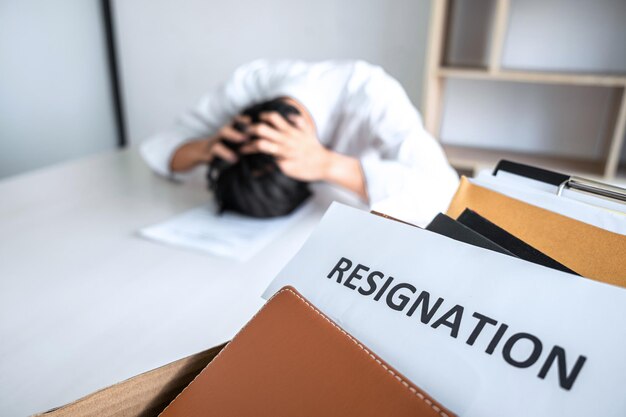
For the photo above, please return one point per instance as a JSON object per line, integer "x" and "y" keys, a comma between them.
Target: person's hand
{"x": 203, "y": 151}
{"x": 298, "y": 152}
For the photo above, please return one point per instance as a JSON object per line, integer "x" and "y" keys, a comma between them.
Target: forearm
{"x": 203, "y": 151}
{"x": 186, "y": 157}
{"x": 159, "y": 150}
{"x": 346, "y": 172}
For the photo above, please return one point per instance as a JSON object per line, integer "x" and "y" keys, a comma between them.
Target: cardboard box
{"x": 144, "y": 395}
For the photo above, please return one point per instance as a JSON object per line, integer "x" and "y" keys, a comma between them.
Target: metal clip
{"x": 593, "y": 187}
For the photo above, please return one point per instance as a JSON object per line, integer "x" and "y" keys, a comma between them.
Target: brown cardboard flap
{"x": 144, "y": 395}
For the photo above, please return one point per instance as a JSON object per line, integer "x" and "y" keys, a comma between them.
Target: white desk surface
{"x": 86, "y": 303}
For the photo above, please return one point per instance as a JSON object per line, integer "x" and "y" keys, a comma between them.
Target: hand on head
{"x": 246, "y": 154}
{"x": 203, "y": 151}
{"x": 290, "y": 138}
{"x": 255, "y": 184}
{"x": 293, "y": 143}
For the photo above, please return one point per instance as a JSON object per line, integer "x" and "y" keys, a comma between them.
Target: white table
{"x": 85, "y": 302}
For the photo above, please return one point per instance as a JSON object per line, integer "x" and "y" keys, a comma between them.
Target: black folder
{"x": 451, "y": 228}
{"x": 501, "y": 237}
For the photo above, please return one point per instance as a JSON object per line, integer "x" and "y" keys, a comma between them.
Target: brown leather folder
{"x": 291, "y": 360}
{"x": 589, "y": 250}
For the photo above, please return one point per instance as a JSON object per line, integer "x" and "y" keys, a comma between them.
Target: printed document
{"x": 485, "y": 334}
{"x": 228, "y": 235}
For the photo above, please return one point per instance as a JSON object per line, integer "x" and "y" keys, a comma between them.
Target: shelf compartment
{"x": 559, "y": 35}
{"x": 570, "y": 122}
{"x": 469, "y": 33}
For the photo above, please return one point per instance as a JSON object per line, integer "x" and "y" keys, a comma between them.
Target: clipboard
{"x": 564, "y": 182}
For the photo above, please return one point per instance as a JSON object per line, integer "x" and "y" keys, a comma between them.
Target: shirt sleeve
{"x": 406, "y": 171}
{"x": 214, "y": 110}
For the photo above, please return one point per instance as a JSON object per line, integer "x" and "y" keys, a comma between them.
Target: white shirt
{"x": 359, "y": 111}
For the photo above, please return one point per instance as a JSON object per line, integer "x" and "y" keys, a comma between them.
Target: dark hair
{"x": 255, "y": 185}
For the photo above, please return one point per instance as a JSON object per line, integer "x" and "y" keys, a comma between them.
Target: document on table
{"x": 228, "y": 235}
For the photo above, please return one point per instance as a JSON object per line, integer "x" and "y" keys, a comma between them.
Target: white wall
{"x": 174, "y": 50}
{"x": 572, "y": 35}
{"x": 54, "y": 89}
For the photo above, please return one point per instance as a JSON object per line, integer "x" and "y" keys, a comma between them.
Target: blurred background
{"x": 539, "y": 81}
{"x": 57, "y": 100}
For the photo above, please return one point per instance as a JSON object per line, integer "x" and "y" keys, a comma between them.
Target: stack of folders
{"x": 512, "y": 303}
{"x": 566, "y": 223}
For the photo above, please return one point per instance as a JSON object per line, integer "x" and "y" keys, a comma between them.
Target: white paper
{"x": 584, "y": 317}
{"x": 228, "y": 235}
{"x": 544, "y": 196}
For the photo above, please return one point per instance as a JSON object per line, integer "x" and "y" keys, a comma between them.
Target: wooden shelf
{"x": 476, "y": 159}
{"x": 597, "y": 80}
{"x": 471, "y": 158}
